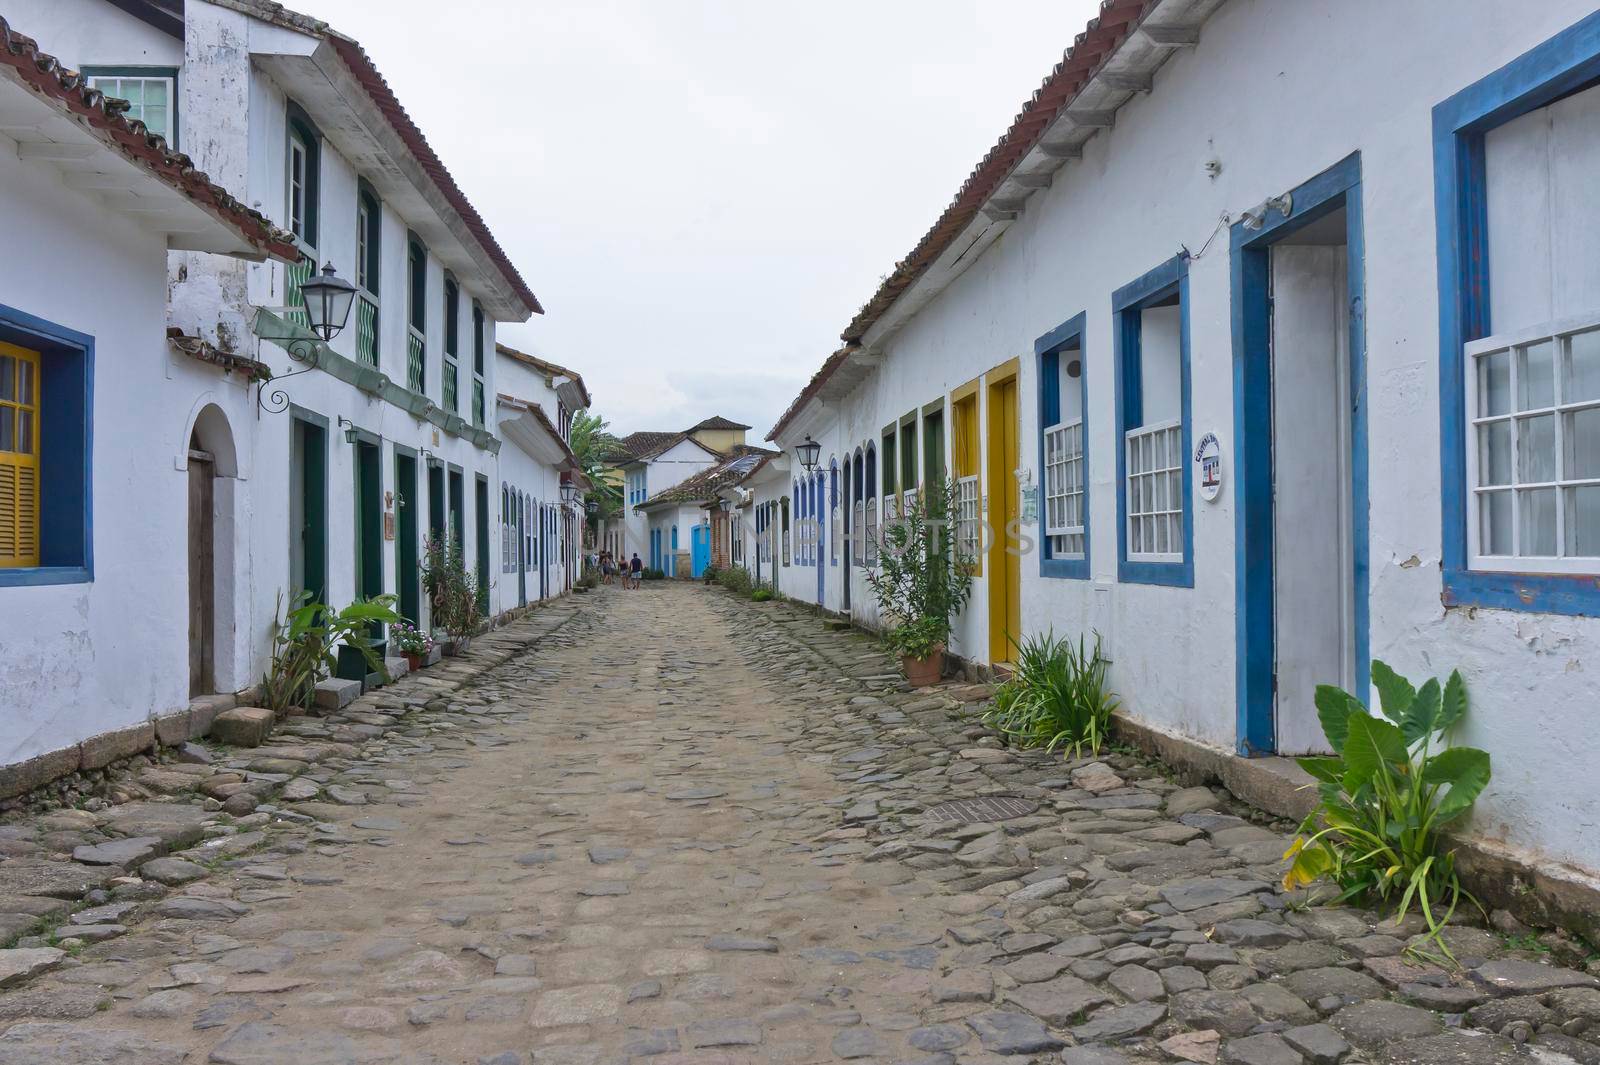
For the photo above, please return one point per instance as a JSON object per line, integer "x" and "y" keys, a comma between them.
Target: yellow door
{"x": 1005, "y": 559}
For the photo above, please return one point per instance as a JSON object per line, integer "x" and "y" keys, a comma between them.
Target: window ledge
{"x": 1171, "y": 574}
{"x": 1533, "y": 593}
{"x": 32, "y": 576}
{"x": 1064, "y": 568}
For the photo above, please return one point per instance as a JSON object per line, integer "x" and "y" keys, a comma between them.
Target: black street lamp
{"x": 329, "y": 298}
{"x": 808, "y": 453}
{"x": 569, "y": 492}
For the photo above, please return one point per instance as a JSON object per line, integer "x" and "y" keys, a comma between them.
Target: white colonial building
{"x": 310, "y": 467}
{"x": 650, "y": 463}
{"x": 541, "y": 537}
{"x": 98, "y": 421}
{"x": 1265, "y": 343}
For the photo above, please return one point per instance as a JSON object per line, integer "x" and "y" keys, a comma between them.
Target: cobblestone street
{"x": 672, "y": 826}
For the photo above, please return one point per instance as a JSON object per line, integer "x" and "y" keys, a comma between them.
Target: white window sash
{"x": 1063, "y": 454}
{"x": 1558, "y": 333}
{"x": 968, "y": 509}
{"x": 1131, "y": 440}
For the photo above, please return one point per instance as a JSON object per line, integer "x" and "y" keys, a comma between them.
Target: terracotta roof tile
{"x": 107, "y": 118}
{"x": 1104, "y": 34}
{"x": 361, "y": 65}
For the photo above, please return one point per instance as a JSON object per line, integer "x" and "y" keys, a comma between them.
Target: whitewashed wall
{"x": 82, "y": 659}
{"x": 1274, "y": 109}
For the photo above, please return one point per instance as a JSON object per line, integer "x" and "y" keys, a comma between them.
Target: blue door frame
{"x": 1255, "y": 636}
{"x": 819, "y": 509}
{"x": 699, "y": 549}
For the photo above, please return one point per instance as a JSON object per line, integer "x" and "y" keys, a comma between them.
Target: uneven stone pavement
{"x": 681, "y": 827}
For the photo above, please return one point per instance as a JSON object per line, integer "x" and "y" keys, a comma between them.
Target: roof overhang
{"x": 315, "y": 72}
{"x": 1114, "y": 61}
{"x": 530, "y": 429}
{"x": 106, "y": 162}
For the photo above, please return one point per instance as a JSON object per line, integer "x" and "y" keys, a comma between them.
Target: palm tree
{"x": 590, "y": 442}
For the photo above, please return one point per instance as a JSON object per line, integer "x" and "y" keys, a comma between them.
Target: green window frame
{"x": 133, "y": 83}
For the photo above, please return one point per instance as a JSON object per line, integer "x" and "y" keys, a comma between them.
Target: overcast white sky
{"x": 703, "y": 192}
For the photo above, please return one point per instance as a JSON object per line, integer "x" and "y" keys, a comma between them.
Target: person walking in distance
{"x": 635, "y": 569}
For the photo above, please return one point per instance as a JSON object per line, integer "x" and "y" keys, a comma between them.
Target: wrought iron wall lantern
{"x": 328, "y": 299}
{"x": 808, "y": 453}
{"x": 569, "y": 492}
{"x": 351, "y": 433}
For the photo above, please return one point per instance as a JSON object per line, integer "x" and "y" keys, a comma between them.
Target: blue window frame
{"x": 1155, "y": 543}
{"x": 1565, "y": 63}
{"x": 833, "y": 503}
{"x": 1063, "y": 450}
{"x": 65, "y": 448}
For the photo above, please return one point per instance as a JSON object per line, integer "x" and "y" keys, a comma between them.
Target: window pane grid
{"x": 1534, "y": 408}
{"x": 149, "y": 99}
{"x": 1155, "y": 492}
{"x": 19, "y": 457}
{"x": 1063, "y": 489}
{"x": 967, "y": 517}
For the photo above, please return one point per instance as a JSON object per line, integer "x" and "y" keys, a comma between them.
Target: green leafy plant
{"x": 920, "y": 582}
{"x": 1057, "y": 697}
{"x": 652, "y": 574}
{"x": 1387, "y": 795}
{"x": 761, "y": 595}
{"x": 452, "y": 592}
{"x": 305, "y": 643}
{"x": 736, "y": 579}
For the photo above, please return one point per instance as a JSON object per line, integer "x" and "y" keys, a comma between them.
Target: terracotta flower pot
{"x": 414, "y": 661}
{"x": 924, "y": 672}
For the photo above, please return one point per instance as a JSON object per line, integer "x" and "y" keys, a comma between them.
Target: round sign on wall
{"x": 1208, "y": 457}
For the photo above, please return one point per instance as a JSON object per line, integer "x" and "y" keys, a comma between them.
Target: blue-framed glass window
{"x": 47, "y": 421}
{"x": 1519, "y": 356}
{"x": 1155, "y": 529}
{"x": 1063, "y": 451}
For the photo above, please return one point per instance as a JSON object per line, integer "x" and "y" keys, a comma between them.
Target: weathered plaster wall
{"x": 82, "y": 659}
{"x": 1274, "y": 111}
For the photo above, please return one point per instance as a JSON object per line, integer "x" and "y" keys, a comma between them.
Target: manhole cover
{"x": 986, "y": 808}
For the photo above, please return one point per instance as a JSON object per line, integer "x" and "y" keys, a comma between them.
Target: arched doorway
{"x": 211, "y": 456}
{"x": 202, "y": 568}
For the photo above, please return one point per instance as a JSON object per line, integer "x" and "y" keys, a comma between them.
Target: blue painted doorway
{"x": 1299, "y": 395}
{"x": 699, "y": 549}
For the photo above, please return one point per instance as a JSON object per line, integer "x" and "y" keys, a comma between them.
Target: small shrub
{"x": 652, "y": 574}
{"x": 920, "y": 582}
{"x": 1057, "y": 697}
{"x": 710, "y": 573}
{"x": 736, "y": 580}
{"x": 305, "y": 645}
{"x": 452, "y": 593}
{"x": 761, "y": 595}
{"x": 1387, "y": 795}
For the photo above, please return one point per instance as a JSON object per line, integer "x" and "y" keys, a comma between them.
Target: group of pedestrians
{"x": 630, "y": 572}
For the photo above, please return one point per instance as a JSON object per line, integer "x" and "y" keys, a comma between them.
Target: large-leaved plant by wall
{"x": 920, "y": 582}
{"x": 1387, "y": 795}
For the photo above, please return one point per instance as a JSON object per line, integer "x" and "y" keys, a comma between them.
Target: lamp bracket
{"x": 301, "y": 350}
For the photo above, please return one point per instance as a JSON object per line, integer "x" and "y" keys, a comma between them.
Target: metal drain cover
{"x": 983, "y": 808}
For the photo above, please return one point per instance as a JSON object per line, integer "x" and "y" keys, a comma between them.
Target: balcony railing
{"x": 477, "y": 402}
{"x": 450, "y": 383}
{"x": 416, "y": 356}
{"x": 297, "y": 274}
{"x": 367, "y": 331}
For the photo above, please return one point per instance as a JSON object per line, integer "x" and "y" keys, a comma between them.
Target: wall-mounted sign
{"x": 1208, "y": 459}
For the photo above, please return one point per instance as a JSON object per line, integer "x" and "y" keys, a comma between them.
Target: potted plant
{"x": 921, "y": 583}
{"x": 452, "y": 593}
{"x": 411, "y": 642}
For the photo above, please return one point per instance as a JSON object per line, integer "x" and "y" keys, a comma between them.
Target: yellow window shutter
{"x": 19, "y": 456}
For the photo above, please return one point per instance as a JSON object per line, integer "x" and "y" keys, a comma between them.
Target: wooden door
{"x": 202, "y": 575}
{"x": 1005, "y": 561}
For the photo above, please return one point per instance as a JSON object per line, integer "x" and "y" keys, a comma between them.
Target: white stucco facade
{"x": 1249, "y": 113}
{"x": 326, "y": 480}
